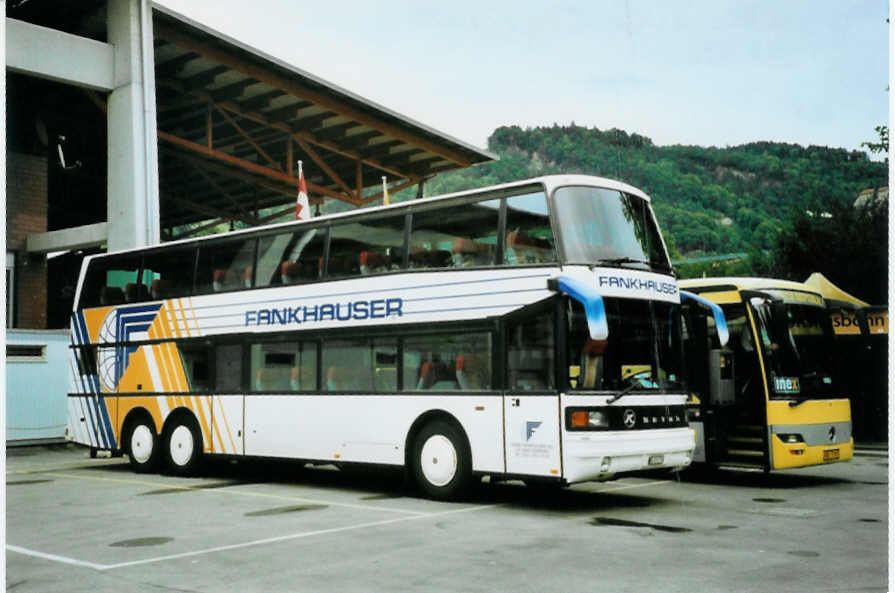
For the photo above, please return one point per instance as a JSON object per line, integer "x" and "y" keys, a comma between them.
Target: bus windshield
{"x": 601, "y": 226}
{"x": 798, "y": 349}
{"x": 643, "y": 351}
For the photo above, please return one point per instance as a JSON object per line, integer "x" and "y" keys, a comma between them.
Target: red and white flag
{"x": 302, "y": 207}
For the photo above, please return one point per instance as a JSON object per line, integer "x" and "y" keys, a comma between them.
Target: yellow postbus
{"x": 772, "y": 397}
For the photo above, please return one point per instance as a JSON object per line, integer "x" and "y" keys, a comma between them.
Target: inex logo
{"x": 629, "y": 418}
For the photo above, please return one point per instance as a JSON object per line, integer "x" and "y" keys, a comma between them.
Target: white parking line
{"x": 258, "y": 542}
{"x": 233, "y": 491}
{"x": 414, "y": 515}
{"x": 55, "y": 557}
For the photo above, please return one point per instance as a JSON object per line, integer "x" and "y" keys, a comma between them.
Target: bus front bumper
{"x": 591, "y": 456}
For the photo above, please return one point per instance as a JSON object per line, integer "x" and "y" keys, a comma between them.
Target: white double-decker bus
{"x": 529, "y": 330}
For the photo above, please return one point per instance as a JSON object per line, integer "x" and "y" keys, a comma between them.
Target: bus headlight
{"x": 790, "y": 438}
{"x": 589, "y": 419}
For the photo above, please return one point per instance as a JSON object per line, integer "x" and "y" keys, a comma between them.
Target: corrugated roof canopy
{"x": 232, "y": 122}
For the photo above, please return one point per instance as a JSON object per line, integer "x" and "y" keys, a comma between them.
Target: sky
{"x": 704, "y": 72}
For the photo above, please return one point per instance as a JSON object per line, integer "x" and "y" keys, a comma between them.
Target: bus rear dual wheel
{"x": 440, "y": 461}
{"x": 181, "y": 446}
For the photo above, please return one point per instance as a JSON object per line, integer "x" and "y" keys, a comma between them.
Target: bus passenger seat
{"x": 135, "y": 293}
{"x": 469, "y": 373}
{"x": 111, "y": 295}
{"x": 261, "y": 383}
{"x": 219, "y": 280}
{"x": 387, "y": 379}
{"x": 335, "y": 379}
{"x": 592, "y": 364}
{"x": 466, "y": 253}
{"x": 417, "y": 257}
{"x": 290, "y": 272}
{"x": 160, "y": 289}
{"x": 435, "y": 375}
{"x": 372, "y": 262}
{"x": 440, "y": 258}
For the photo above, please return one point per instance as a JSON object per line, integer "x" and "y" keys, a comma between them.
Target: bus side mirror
{"x": 717, "y": 313}
{"x": 594, "y": 309}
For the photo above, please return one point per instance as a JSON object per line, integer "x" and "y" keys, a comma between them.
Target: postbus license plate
{"x": 656, "y": 459}
{"x": 831, "y": 454}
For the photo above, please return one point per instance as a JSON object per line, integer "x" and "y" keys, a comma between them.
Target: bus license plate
{"x": 660, "y": 459}
{"x": 831, "y": 454}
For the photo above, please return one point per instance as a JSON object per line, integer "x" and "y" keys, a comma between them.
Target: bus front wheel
{"x": 441, "y": 462}
{"x": 183, "y": 446}
{"x": 142, "y": 445}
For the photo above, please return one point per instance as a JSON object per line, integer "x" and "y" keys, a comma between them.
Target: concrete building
{"x": 128, "y": 124}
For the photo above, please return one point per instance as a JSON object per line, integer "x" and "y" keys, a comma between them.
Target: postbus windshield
{"x": 797, "y": 345}
{"x": 643, "y": 350}
{"x": 601, "y": 226}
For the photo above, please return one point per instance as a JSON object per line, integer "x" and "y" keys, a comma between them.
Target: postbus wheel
{"x": 141, "y": 441}
{"x": 182, "y": 446}
{"x": 440, "y": 462}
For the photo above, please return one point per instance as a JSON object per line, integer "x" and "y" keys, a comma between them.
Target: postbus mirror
{"x": 717, "y": 313}
{"x": 594, "y": 308}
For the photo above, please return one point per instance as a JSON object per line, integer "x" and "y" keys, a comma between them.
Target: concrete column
{"x": 133, "y": 209}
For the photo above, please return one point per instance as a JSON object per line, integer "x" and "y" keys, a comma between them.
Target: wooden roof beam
{"x": 231, "y": 91}
{"x": 318, "y": 160}
{"x": 356, "y": 141}
{"x": 310, "y": 122}
{"x": 175, "y": 65}
{"x": 286, "y": 112}
{"x": 204, "y": 78}
{"x": 320, "y": 98}
{"x": 379, "y": 150}
{"x": 250, "y": 166}
{"x": 308, "y": 137}
{"x": 331, "y": 133}
{"x": 249, "y": 139}
{"x": 230, "y": 172}
{"x": 261, "y": 100}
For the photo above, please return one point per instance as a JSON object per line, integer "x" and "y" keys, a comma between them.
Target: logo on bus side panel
{"x": 531, "y": 428}
{"x": 352, "y": 310}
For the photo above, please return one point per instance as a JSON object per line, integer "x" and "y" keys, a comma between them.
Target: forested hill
{"x": 707, "y": 200}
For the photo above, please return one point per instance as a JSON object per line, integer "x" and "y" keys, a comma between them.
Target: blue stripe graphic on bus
{"x": 717, "y": 313}
{"x": 594, "y": 308}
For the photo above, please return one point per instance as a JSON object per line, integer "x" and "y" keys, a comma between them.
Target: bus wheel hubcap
{"x": 141, "y": 443}
{"x": 438, "y": 459}
{"x": 181, "y": 445}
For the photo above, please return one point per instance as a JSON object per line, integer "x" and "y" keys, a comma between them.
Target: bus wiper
{"x": 623, "y": 260}
{"x": 633, "y": 260}
{"x": 623, "y": 392}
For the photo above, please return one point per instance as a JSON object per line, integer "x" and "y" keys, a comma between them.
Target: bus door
{"x": 709, "y": 367}
{"x": 531, "y": 402}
